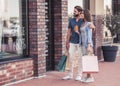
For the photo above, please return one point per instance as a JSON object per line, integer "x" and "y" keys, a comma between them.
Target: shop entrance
{"x": 49, "y": 16}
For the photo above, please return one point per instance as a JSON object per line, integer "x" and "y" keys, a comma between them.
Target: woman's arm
{"x": 89, "y": 40}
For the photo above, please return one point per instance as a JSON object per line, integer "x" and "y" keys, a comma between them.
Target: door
{"x": 50, "y": 64}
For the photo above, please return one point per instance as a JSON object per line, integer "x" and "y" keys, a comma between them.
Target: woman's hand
{"x": 89, "y": 49}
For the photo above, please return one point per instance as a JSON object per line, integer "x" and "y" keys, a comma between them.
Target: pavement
{"x": 108, "y": 75}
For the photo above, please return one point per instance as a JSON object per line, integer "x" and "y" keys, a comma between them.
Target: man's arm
{"x": 92, "y": 26}
{"x": 68, "y": 38}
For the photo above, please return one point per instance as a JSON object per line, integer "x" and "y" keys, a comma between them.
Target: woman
{"x": 86, "y": 42}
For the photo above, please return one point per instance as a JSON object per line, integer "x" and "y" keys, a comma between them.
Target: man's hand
{"x": 67, "y": 45}
{"x": 92, "y": 26}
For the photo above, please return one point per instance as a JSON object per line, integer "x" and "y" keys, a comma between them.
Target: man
{"x": 72, "y": 42}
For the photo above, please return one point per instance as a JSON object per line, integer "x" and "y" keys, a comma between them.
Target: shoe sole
{"x": 77, "y": 80}
{"x": 87, "y": 82}
{"x": 67, "y": 79}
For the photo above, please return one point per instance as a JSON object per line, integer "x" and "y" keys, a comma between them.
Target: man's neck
{"x": 77, "y": 18}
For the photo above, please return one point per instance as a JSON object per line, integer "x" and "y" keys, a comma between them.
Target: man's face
{"x": 76, "y": 13}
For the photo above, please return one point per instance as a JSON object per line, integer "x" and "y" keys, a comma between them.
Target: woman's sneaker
{"x": 88, "y": 79}
{"x": 78, "y": 78}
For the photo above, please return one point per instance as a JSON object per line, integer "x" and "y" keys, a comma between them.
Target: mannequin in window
{"x": 7, "y": 38}
{"x": 17, "y": 36}
{"x": 14, "y": 35}
{"x": 4, "y": 36}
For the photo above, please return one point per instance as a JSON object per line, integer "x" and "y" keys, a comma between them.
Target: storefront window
{"x": 12, "y": 41}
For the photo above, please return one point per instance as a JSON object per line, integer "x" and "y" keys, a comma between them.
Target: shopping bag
{"x": 62, "y": 63}
{"x": 67, "y": 67}
{"x": 90, "y": 64}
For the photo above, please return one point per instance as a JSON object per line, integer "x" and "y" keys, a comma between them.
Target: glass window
{"x": 72, "y": 4}
{"x": 12, "y": 41}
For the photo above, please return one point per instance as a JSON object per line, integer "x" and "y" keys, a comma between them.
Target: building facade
{"x": 33, "y": 39}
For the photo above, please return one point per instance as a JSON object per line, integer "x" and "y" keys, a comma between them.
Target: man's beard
{"x": 76, "y": 15}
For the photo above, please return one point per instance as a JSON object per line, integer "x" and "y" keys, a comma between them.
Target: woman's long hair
{"x": 87, "y": 15}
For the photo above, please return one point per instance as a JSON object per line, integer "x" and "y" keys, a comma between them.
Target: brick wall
{"x": 37, "y": 35}
{"x": 36, "y": 66}
{"x": 60, "y": 27}
{"x": 15, "y": 71}
{"x": 98, "y": 36}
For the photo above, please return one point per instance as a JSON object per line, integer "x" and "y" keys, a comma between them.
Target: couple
{"x": 79, "y": 37}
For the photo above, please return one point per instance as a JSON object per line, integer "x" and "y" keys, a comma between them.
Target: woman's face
{"x": 82, "y": 14}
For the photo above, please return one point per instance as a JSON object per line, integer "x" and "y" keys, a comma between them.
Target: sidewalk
{"x": 109, "y": 75}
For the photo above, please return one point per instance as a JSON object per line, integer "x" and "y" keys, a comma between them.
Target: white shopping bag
{"x": 90, "y": 64}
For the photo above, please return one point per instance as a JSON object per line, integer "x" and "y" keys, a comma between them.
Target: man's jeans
{"x": 72, "y": 49}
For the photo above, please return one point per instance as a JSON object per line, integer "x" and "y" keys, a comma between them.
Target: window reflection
{"x": 11, "y": 31}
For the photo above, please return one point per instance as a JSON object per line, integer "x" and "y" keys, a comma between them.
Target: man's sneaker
{"x": 67, "y": 77}
{"x": 78, "y": 78}
{"x": 88, "y": 79}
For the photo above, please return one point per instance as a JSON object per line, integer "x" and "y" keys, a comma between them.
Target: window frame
{"x": 24, "y": 23}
